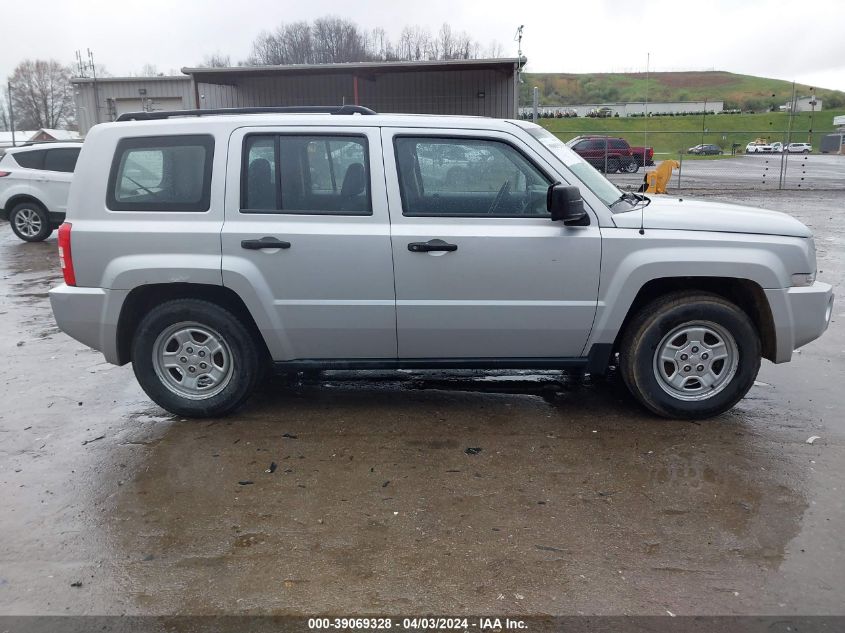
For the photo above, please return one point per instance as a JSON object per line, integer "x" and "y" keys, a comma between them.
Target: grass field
{"x": 745, "y": 91}
{"x": 670, "y": 135}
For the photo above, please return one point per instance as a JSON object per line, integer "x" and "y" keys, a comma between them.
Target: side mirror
{"x": 565, "y": 203}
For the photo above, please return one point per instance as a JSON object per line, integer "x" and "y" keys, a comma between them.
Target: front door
{"x": 481, "y": 270}
{"x": 306, "y": 240}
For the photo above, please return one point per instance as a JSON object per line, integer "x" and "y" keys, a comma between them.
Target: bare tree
{"x": 5, "y": 121}
{"x": 495, "y": 50}
{"x": 331, "y": 40}
{"x": 42, "y": 94}
{"x": 414, "y": 43}
{"x": 446, "y": 42}
{"x": 216, "y": 60}
{"x": 297, "y": 43}
{"x": 149, "y": 70}
{"x": 337, "y": 40}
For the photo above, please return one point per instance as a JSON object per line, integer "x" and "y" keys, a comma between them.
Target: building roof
{"x": 21, "y": 136}
{"x": 230, "y": 74}
{"x": 59, "y": 135}
{"x": 88, "y": 80}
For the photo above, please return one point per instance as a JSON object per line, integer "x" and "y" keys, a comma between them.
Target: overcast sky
{"x": 787, "y": 40}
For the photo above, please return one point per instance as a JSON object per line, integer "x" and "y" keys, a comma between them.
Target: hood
{"x": 671, "y": 212}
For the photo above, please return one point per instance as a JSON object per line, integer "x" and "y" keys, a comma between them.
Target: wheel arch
{"x": 144, "y": 298}
{"x": 745, "y": 293}
{"x": 18, "y": 198}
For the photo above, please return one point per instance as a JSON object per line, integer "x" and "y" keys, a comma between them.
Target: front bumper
{"x": 800, "y": 315}
{"x": 89, "y": 315}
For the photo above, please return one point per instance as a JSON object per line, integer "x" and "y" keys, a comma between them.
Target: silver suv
{"x": 208, "y": 247}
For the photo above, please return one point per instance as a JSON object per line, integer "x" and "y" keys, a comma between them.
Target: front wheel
{"x": 30, "y": 222}
{"x": 690, "y": 355}
{"x": 195, "y": 358}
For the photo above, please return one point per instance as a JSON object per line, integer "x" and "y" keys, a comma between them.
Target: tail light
{"x": 65, "y": 256}
{"x": 4, "y": 173}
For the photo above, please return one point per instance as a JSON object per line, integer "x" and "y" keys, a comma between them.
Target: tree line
{"x": 330, "y": 39}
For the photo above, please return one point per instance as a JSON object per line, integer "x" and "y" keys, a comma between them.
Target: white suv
{"x": 206, "y": 247}
{"x": 799, "y": 148}
{"x": 34, "y": 184}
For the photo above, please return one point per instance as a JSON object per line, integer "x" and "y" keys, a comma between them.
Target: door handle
{"x": 264, "y": 242}
{"x": 431, "y": 245}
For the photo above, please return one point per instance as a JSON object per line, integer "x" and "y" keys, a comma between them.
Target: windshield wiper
{"x": 633, "y": 198}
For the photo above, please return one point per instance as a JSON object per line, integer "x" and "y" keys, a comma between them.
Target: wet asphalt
{"x": 578, "y": 502}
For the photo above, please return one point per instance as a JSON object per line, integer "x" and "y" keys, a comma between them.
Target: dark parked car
{"x": 705, "y": 150}
{"x": 611, "y": 153}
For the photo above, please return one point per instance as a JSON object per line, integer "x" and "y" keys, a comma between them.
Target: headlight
{"x": 803, "y": 279}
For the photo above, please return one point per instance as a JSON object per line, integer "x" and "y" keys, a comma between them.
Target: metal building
{"x": 105, "y": 99}
{"x": 486, "y": 87}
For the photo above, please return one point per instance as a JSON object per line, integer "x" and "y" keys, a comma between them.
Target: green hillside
{"x": 668, "y": 135}
{"x": 737, "y": 91}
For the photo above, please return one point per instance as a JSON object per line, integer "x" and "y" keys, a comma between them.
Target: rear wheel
{"x": 30, "y": 222}
{"x": 690, "y": 355}
{"x": 195, "y": 358}
{"x": 632, "y": 167}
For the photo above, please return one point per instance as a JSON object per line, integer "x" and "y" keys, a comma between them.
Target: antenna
{"x": 645, "y": 137}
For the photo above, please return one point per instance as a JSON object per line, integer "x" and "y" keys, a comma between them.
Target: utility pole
{"x": 703, "y": 120}
{"x": 536, "y": 103}
{"x": 813, "y": 104}
{"x": 11, "y": 112}
{"x": 96, "y": 91}
{"x": 645, "y": 123}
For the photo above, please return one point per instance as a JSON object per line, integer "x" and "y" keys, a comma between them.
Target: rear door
{"x": 481, "y": 270}
{"x": 306, "y": 240}
{"x": 53, "y": 181}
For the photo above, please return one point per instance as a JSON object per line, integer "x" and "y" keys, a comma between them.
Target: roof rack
{"x": 49, "y": 141}
{"x": 154, "y": 116}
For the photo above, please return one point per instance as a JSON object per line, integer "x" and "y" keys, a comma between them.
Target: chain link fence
{"x": 714, "y": 160}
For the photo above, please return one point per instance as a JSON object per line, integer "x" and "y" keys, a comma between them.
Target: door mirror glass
{"x": 565, "y": 204}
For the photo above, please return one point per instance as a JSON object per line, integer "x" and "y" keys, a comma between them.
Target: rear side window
{"x": 61, "y": 159}
{"x": 306, "y": 174}
{"x": 161, "y": 173}
{"x": 618, "y": 144}
{"x": 33, "y": 159}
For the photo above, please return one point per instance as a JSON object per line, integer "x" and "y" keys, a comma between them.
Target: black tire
{"x": 247, "y": 367}
{"x": 655, "y": 321}
{"x": 633, "y": 166}
{"x": 30, "y": 222}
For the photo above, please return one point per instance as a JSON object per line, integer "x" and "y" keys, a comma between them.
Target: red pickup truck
{"x": 611, "y": 153}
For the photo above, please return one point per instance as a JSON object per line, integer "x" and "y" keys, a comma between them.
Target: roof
{"x": 59, "y": 135}
{"x": 228, "y": 74}
{"x": 21, "y": 136}
{"x": 88, "y": 80}
{"x": 234, "y": 120}
{"x": 55, "y": 144}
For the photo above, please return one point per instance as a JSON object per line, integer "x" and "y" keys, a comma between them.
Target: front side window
{"x": 468, "y": 177}
{"x": 161, "y": 173}
{"x": 61, "y": 159}
{"x": 306, "y": 174}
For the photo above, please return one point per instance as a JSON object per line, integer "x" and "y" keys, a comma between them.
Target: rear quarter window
{"x": 161, "y": 173}
{"x": 32, "y": 159}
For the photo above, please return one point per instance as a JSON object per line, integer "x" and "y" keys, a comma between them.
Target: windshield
{"x": 594, "y": 181}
